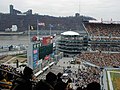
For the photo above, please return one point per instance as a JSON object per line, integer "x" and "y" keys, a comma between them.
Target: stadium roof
{"x": 70, "y": 33}
{"x": 104, "y": 22}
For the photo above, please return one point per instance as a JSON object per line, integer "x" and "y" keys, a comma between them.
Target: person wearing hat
{"x": 24, "y": 82}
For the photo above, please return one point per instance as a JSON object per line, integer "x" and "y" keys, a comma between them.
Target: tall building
{"x": 14, "y": 11}
{"x": 11, "y": 9}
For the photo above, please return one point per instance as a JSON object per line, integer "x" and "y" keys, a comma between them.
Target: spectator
{"x": 24, "y": 82}
{"x": 47, "y": 84}
{"x": 60, "y": 86}
{"x": 93, "y": 86}
{"x": 3, "y": 80}
{"x": 79, "y": 88}
{"x": 59, "y": 77}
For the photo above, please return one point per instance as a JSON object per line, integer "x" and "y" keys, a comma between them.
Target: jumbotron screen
{"x": 35, "y": 55}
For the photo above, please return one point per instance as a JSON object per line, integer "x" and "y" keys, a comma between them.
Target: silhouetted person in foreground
{"x": 61, "y": 86}
{"x": 93, "y": 86}
{"x": 59, "y": 79}
{"x": 79, "y": 88}
{"x": 90, "y": 86}
{"x": 24, "y": 82}
{"x": 47, "y": 84}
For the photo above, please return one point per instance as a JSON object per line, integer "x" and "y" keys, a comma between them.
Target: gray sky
{"x": 98, "y": 9}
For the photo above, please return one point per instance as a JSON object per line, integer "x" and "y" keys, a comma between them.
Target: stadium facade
{"x": 71, "y": 43}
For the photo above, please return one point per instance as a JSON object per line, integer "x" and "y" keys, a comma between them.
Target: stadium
{"x": 104, "y": 51}
{"x": 101, "y": 58}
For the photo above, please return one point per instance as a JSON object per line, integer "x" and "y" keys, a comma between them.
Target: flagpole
{"x": 50, "y": 25}
{"x": 37, "y": 29}
{"x": 50, "y": 30}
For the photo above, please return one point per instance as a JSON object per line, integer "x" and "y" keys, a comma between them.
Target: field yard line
{"x": 114, "y": 71}
{"x": 110, "y": 82}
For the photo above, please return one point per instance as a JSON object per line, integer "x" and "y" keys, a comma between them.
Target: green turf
{"x": 113, "y": 77}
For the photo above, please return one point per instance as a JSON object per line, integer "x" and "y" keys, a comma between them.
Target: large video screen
{"x": 36, "y": 55}
{"x": 45, "y": 50}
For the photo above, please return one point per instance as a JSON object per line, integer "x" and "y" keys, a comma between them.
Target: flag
{"x": 31, "y": 27}
{"x": 41, "y": 24}
{"x": 46, "y": 40}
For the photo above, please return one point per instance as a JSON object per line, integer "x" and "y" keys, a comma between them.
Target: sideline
{"x": 110, "y": 81}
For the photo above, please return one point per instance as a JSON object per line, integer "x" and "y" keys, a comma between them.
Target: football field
{"x": 113, "y": 79}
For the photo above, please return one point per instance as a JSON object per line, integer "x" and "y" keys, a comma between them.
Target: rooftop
{"x": 70, "y": 33}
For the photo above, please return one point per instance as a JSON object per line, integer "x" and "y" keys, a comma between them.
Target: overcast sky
{"x": 98, "y": 9}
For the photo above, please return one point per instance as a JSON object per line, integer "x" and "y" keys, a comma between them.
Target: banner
{"x": 31, "y": 27}
{"x": 46, "y": 40}
{"x": 41, "y": 24}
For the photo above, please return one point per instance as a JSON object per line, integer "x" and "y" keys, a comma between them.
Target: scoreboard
{"x": 35, "y": 54}
{"x": 33, "y": 59}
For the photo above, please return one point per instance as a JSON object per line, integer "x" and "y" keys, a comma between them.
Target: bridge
{"x": 13, "y": 52}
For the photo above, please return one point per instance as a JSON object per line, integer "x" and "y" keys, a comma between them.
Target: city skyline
{"x": 105, "y": 9}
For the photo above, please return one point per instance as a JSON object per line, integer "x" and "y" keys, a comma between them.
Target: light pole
{"x": 29, "y": 33}
{"x": 50, "y": 25}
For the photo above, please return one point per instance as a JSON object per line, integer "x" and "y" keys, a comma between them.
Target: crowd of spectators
{"x": 87, "y": 75}
{"x": 7, "y": 74}
{"x": 104, "y": 37}
{"x": 105, "y": 47}
{"x": 110, "y": 39}
{"x": 102, "y": 59}
{"x": 14, "y": 80}
{"x": 96, "y": 61}
{"x": 102, "y": 29}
